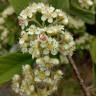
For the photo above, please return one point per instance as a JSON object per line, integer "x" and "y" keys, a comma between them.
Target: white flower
{"x": 49, "y": 80}
{"x": 65, "y": 21}
{"x": 24, "y": 50}
{"x": 46, "y": 51}
{"x": 85, "y": 3}
{"x": 60, "y": 13}
{"x": 46, "y": 62}
{"x": 50, "y": 20}
{"x": 75, "y": 22}
{"x": 21, "y": 41}
{"x": 58, "y": 75}
{"x": 16, "y": 87}
{"x": 37, "y": 79}
{"x": 22, "y": 22}
{"x": 54, "y": 61}
{"x": 4, "y": 34}
{"x": 2, "y": 21}
{"x": 23, "y": 15}
{"x": 26, "y": 68}
{"x": 16, "y": 77}
{"x": 8, "y": 11}
{"x": 40, "y": 5}
{"x": 90, "y": 2}
{"x": 2, "y": 27}
{"x": 67, "y": 36}
{"x": 32, "y": 30}
{"x": 43, "y": 18}
{"x": 32, "y": 88}
{"x": 43, "y": 45}
{"x": 68, "y": 45}
{"x": 35, "y": 52}
{"x": 55, "y": 29}
{"x": 48, "y": 13}
{"x": 39, "y": 61}
{"x": 47, "y": 72}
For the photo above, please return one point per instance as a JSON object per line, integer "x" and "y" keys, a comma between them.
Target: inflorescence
{"x": 4, "y": 32}
{"x": 86, "y": 3}
{"x": 44, "y": 36}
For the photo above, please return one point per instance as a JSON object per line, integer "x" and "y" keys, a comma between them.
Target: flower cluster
{"x": 86, "y": 3}
{"x": 46, "y": 13}
{"x": 36, "y": 82}
{"x": 75, "y": 23}
{"x": 8, "y": 11}
{"x": 4, "y": 32}
{"x": 84, "y": 41}
{"x": 44, "y": 36}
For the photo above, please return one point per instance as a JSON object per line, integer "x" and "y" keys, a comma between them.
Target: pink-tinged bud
{"x": 43, "y": 37}
{"x": 21, "y": 22}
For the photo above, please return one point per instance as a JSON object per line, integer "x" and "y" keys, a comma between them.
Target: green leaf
{"x": 2, "y": 6}
{"x": 95, "y": 2}
{"x": 12, "y": 64}
{"x": 94, "y": 74}
{"x": 44, "y": 1}
{"x": 11, "y": 25}
{"x": 95, "y": 5}
{"x": 87, "y": 15}
{"x": 61, "y": 4}
{"x": 19, "y": 5}
{"x": 93, "y": 50}
{"x": 93, "y": 54}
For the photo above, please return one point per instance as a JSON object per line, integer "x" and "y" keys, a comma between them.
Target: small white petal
{"x": 50, "y": 20}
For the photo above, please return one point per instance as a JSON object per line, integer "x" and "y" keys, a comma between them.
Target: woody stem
{"x": 79, "y": 78}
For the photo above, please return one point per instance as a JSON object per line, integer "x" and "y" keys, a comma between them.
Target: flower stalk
{"x": 79, "y": 78}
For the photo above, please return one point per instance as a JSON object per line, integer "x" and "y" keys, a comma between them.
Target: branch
{"x": 81, "y": 81}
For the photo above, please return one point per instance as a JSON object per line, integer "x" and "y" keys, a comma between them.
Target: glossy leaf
{"x": 11, "y": 64}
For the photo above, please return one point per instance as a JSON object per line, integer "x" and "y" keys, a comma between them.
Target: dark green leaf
{"x": 11, "y": 64}
{"x": 61, "y": 4}
{"x": 2, "y": 6}
{"x": 10, "y": 25}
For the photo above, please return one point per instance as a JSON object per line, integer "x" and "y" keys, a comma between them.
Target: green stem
{"x": 37, "y": 22}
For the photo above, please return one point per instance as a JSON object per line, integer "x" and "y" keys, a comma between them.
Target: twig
{"x": 81, "y": 81}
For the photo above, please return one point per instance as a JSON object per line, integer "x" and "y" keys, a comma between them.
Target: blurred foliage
{"x": 72, "y": 7}
{"x": 93, "y": 54}
{"x": 3, "y": 5}
{"x": 19, "y": 6}
{"x": 10, "y": 30}
{"x": 93, "y": 50}
{"x": 86, "y": 15}
{"x": 12, "y": 64}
